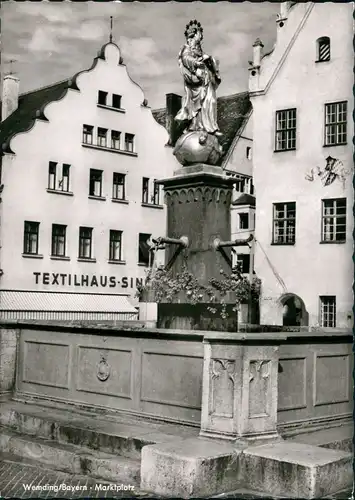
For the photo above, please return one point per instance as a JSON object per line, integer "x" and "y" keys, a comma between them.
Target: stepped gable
{"x": 31, "y": 104}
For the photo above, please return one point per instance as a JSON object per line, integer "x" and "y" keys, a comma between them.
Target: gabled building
{"x": 79, "y": 201}
{"x": 302, "y": 98}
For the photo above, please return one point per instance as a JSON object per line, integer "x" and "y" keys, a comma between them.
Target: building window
{"x": 240, "y": 185}
{"x": 102, "y": 137}
{"x": 129, "y": 142}
{"x": 145, "y": 190}
{"x": 115, "y": 139}
{"x": 323, "y": 49}
{"x": 31, "y": 238}
{"x": 335, "y": 123}
{"x": 102, "y": 98}
{"x": 58, "y": 240}
{"x": 334, "y": 220}
{"x": 251, "y": 190}
{"x": 143, "y": 249}
{"x": 88, "y": 134}
{"x": 64, "y": 183}
{"x": 156, "y": 193}
{"x": 85, "y": 242}
{"x": 116, "y": 101}
{"x": 284, "y": 223}
{"x": 150, "y": 194}
{"x": 95, "y": 188}
{"x": 248, "y": 153}
{"x": 328, "y": 311}
{"x": 118, "y": 191}
{"x": 243, "y": 221}
{"x": 115, "y": 245}
{"x": 243, "y": 263}
{"x": 285, "y": 139}
{"x": 244, "y": 185}
{"x": 52, "y": 175}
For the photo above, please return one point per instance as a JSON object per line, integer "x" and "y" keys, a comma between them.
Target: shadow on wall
{"x": 294, "y": 311}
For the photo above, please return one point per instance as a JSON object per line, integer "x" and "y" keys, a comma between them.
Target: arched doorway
{"x": 294, "y": 312}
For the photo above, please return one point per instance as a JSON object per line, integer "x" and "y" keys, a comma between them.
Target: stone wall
{"x": 8, "y": 345}
{"x": 146, "y": 374}
{"x": 314, "y": 381}
{"x": 155, "y": 372}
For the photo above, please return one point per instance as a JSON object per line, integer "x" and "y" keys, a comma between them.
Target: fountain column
{"x": 198, "y": 201}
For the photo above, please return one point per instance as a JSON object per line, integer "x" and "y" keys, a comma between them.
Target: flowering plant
{"x": 166, "y": 285}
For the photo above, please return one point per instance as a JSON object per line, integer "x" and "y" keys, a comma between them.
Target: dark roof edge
{"x": 38, "y": 115}
{"x": 236, "y": 137}
{"x": 45, "y": 87}
{"x": 230, "y": 96}
{"x": 244, "y": 199}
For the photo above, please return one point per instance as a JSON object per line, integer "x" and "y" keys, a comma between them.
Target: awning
{"x": 18, "y": 304}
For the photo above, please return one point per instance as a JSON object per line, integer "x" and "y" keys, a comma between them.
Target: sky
{"x": 53, "y": 41}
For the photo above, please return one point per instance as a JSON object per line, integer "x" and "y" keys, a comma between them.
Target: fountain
{"x": 198, "y": 247}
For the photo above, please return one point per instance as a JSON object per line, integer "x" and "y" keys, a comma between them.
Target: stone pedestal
{"x": 190, "y": 468}
{"x": 8, "y": 349}
{"x": 239, "y": 398}
{"x": 198, "y": 206}
{"x": 239, "y": 446}
{"x": 296, "y": 470}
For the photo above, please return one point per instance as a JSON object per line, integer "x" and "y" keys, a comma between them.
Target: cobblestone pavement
{"x": 14, "y": 475}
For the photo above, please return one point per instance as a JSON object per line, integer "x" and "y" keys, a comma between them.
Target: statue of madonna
{"x": 201, "y": 79}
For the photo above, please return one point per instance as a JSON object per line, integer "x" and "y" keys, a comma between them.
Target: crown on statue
{"x": 192, "y": 28}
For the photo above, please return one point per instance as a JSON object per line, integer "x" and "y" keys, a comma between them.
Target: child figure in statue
{"x": 201, "y": 79}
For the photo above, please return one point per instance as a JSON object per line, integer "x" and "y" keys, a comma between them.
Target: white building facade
{"x": 302, "y": 98}
{"x": 79, "y": 201}
{"x": 238, "y": 162}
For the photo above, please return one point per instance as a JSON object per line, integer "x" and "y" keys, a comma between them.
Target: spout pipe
{"x": 183, "y": 241}
{"x": 235, "y": 243}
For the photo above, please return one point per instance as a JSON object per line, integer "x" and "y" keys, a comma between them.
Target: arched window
{"x": 323, "y": 49}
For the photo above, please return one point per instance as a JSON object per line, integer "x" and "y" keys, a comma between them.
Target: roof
{"x": 245, "y": 199}
{"x": 232, "y": 112}
{"x": 30, "y": 107}
{"x": 20, "y": 300}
